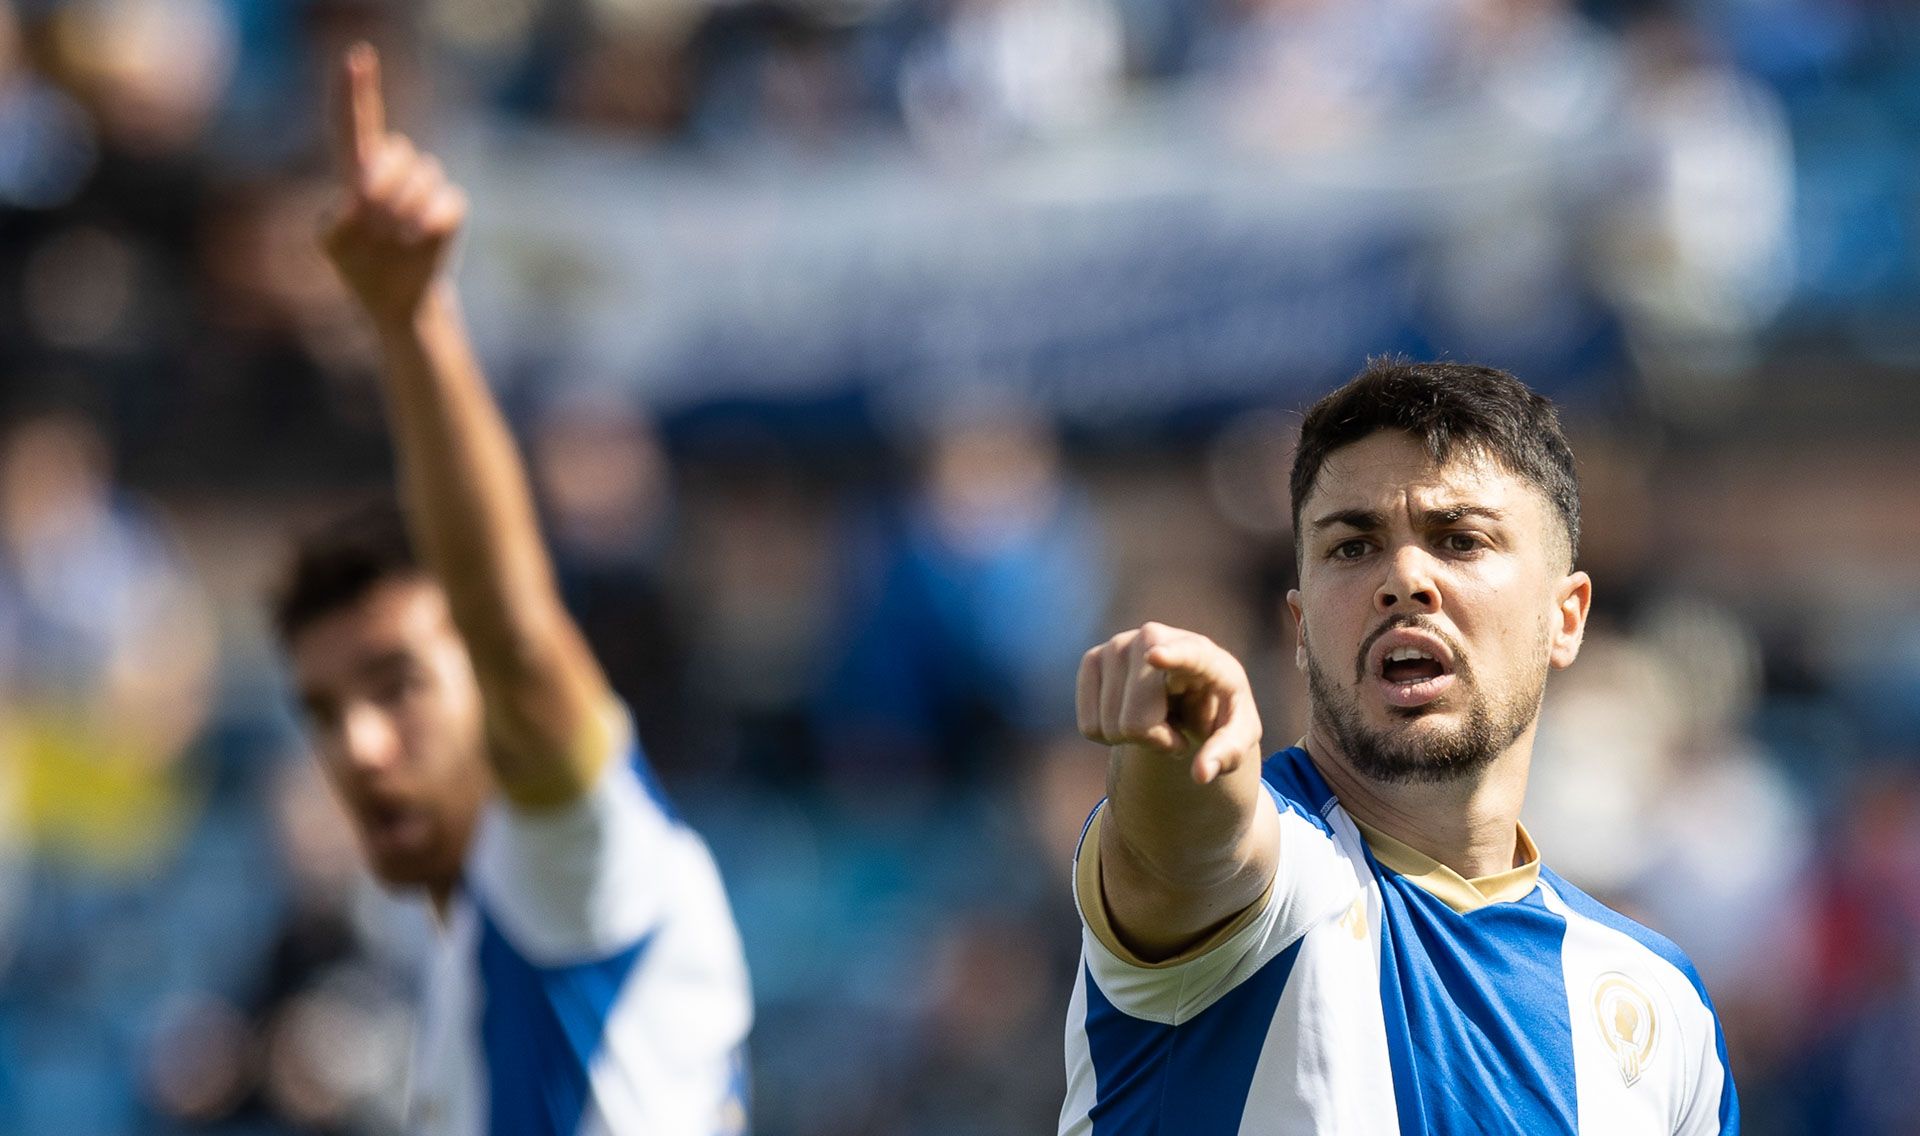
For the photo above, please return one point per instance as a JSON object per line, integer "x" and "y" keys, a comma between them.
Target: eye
{"x": 1348, "y": 550}
{"x": 318, "y": 712}
{"x": 397, "y": 687}
{"x": 1463, "y": 542}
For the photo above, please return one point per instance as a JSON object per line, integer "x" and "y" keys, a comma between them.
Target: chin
{"x": 399, "y": 876}
{"x": 1437, "y": 715}
{"x": 404, "y": 871}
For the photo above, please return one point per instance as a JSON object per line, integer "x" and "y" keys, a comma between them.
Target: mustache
{"x": 1411, "y": 622}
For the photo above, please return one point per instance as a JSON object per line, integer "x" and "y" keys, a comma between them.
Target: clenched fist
{"x": 1172, "y": 692}
{"x": 391, "y": 237}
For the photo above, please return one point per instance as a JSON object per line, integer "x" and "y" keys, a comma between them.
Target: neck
{"x": 1471, "y": 824}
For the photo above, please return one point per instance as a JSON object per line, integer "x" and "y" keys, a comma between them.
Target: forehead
{"x": 400, "y": 617}
{"x": 1390, "y": 467}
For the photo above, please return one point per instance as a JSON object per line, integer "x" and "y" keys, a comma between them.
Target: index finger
{"x": 1194, "y": 659}
{"x": 360, "y": 114}
{"x": 1235, "y": 733}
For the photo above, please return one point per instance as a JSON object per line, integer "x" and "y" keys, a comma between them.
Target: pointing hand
{"x": 1171, "y": 692}
{"x": 399, "y": 216}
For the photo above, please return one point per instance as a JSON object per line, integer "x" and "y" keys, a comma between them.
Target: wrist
{"x": 408, "y": 323}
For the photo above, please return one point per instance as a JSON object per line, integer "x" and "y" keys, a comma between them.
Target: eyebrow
{"x": 372, "y": 667}
{"x": 1458, "y": 513}
{"x": 1367, "y": 520}
{"x": 387, "y": 659}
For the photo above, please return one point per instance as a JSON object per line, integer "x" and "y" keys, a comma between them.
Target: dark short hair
{"x": 335, "y": 565}
{"x": 1451, "y": 409}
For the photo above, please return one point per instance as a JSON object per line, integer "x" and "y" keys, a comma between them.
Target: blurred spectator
{"x": 968, "y": 610}
{"x": 46, "y": 141}
{"x": 314, "y": 1037}
{"x": 1702, "y": 257}
{"x": 107, "y": 647}
{"x": 152, "y": 71}
{"x": 1003, "y": 70}
{"x": 1318, "y": 74}
{"x": 601, "y": 472}
{"x": 1607, "y": 736}
{"x": 1730, "y": 870}
{"x": 775, "y": 76}
{"x": 1859, "y": 1074}
{"x": 754, "y": 566}
{"x": 1541, "y": 66}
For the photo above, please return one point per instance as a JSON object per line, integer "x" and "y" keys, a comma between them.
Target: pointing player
{"x": 588, "y": 977}
{"x": 1358, "y": 936}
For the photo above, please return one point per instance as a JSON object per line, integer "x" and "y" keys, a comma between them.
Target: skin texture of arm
{"x": 1189, "y": 839}
{"x": 467, "y": 498}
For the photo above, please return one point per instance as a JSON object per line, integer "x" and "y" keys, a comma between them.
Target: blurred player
{"x": 588, "y": 976}
{"x": 1358, "y": 936}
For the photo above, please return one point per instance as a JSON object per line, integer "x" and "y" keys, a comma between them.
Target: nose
{"x": 1409, "y": 585}
{"x": 367, "y": 739}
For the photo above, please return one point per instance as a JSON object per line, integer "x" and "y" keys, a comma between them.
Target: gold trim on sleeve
{"x": 1093, "y": 909}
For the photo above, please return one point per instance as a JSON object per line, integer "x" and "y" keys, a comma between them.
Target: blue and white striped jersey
{"x": 1374, "y": 990}
{"x": 588, "y": 979}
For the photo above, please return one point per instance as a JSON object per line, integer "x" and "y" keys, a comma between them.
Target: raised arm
{"x": 462, "y": 483}
{"x": 1188, "y": 839}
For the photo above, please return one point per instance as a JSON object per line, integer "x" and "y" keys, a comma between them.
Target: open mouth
{"x": 394, "y": 828}
{"x": 1412, "y": 668}
{"x": 1407, "y": 665}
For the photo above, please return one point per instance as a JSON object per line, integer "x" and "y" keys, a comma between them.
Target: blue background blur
{"x": 874, "y": 358}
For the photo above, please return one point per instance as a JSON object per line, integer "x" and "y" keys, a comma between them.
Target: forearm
{"x": 1188, "y": 839}
{"x": 465, "y": 489}
{"x": 470, "y": 509}
{"x": 1179, "y": 858}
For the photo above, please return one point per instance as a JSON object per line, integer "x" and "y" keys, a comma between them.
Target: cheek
{"x": 437, "y": 731}
{"x": 1340, "y": 605}
{"x": 450, "y": 730}
{"x": 334, "y": 770}
{"x": 1507, "y": 617}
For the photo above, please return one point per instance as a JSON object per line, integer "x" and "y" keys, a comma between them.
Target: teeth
{"x": 1402, "y": 654}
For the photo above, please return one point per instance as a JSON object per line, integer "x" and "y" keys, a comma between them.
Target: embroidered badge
{"x": 1626, "y": 1019}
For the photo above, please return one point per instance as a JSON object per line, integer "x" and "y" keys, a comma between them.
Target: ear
{"x": 1572, "y": 598}
{"x": 1299, "y": 628}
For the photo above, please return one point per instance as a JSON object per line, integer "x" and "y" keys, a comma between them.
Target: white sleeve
{"x": 1712, "y": 1109}
{"x": 1312, "y": 880}
{"x": 589, "y": 878}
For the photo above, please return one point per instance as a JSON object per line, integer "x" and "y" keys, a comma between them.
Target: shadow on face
{"x": 1434, "y": 598}
{"x": 389, "y": 696}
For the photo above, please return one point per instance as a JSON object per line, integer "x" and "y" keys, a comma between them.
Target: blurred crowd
{"x": 848, "y": 627}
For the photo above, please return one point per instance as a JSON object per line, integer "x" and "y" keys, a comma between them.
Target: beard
{"x": 1488, "y": 726}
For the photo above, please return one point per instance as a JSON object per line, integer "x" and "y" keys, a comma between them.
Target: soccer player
{"x": 1358, "y": 935}
{"x": 588, "y": 977}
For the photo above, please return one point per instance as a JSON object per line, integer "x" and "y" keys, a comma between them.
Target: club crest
{"x": 1626, "y": 1019}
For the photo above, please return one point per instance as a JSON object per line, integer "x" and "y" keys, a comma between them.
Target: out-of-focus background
{"x": 874, "y": 358}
